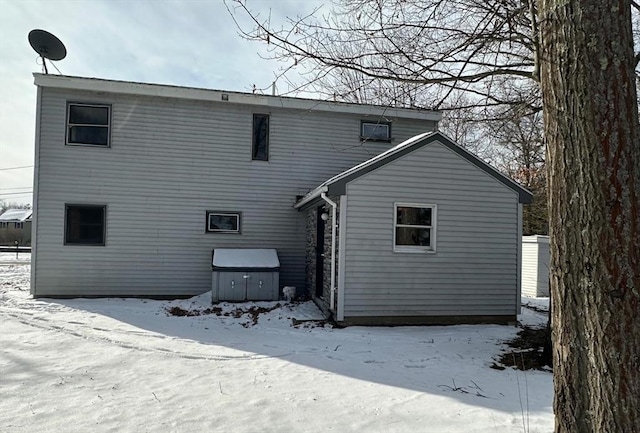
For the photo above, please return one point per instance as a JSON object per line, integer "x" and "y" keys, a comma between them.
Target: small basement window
{"x": 375, "y": 131}
{"x": 260, "y": 143}
{"x": 223, "y": 222}
{"x": 88, "y": 124}
{"x": 85, "y": 224}
{"x": 414, "y": 228}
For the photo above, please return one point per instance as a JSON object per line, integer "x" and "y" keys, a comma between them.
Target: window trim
{"x": 238, "y": 215}
{"x": 253, "y": 136}
{"x": 104, "y": 224}
{"x": 363, "y": 137}
{"x": 433, "y": 236}
{"x": 68, "y": 125}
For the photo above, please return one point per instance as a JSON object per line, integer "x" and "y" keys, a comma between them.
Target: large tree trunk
{"x": 592, "y": 133}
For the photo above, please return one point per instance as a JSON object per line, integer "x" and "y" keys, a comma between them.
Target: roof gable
{"x": 337, "y": 184}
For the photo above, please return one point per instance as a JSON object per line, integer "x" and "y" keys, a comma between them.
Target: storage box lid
{"x": 245, "y": 258}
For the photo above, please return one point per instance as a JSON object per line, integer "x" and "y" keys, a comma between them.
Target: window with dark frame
{"x": 260, "y": 143}
{"x": 88, "y": 124}
{"x": 85, "y": 224}
{"x": 375, "y": 131}
{"x": 414, "y": 227}
{"x": 223, "y": 222}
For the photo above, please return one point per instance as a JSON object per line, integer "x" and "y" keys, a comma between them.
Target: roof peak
{"x": 337, "y": 184}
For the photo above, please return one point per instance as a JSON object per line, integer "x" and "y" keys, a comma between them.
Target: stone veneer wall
{"x": 310, "y": 259}
{"x": 310, "y": 262}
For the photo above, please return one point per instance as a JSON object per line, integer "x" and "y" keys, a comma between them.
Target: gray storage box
{"x": 242, "y": 274}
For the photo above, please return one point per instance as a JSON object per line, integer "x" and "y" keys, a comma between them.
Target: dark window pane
{"x": 223, "y": 222}
{"x": 375, "y": 131}
{"x": 419, "y": 216}
{"x": 260, "y": 148}
{"x": 85, "y": 225}
{"x": 82, "y": 114}
{"x": 98, "y": 135}
{"x": 411, "y": 236}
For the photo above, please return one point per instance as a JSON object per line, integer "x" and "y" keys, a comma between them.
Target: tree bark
{"x": 593, "y": 159}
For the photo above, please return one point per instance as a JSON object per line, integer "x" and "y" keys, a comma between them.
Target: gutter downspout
{"x": 334, "y": 224}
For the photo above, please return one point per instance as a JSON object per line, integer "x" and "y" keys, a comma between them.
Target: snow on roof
{"x": 245, "y": 258}
{"x": 536, "y": 238}
{"x": 16, "y": 215}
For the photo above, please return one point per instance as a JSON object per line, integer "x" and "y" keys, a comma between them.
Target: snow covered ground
{"x": 127, "y": 365}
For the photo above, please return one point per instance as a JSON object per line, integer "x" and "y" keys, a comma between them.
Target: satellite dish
{"x": 47, "y": 46}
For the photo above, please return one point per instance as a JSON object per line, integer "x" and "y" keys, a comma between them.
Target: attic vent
{"x": 225, "y": 97}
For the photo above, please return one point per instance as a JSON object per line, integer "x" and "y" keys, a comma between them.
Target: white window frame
{"x": 70, "y": 125}
{"x": 365, "y": 137}
{"x": 416, "y": 249}
{"x": 237, "y": 215}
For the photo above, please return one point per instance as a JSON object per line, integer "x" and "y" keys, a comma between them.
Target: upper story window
{"x": 260, "y": 144}
{"x": 414, "y": 228}
{"x": 375, "y": 131}
{"x": 223, "y": 222}
{"x": 85, "y": 224}
{"x": 88, "y": 124}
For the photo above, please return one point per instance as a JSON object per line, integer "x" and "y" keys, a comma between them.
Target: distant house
{"x": 535, "y": 265}
{"x": 136, "y": 184}
{"x": 15, "y": 225}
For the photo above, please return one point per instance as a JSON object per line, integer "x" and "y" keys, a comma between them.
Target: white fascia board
{"x": 266, "y": 101}
{"x": 311, "y": 196}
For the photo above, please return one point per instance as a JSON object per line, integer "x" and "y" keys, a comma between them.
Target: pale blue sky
{"x": 186, "y": 43}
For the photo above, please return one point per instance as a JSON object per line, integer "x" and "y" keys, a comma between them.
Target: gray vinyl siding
{"x": 474, "y": 269}
{"x": 169, "y": 162}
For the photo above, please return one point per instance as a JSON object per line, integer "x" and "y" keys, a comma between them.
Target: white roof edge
{"x": 311, "y": 196}
{"x": 170, "y": 91}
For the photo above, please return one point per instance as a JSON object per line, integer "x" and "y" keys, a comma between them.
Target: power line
{"x": 16, "y": 193}
{"x": 16, "y": 168}
{"x": 16, "y": 188}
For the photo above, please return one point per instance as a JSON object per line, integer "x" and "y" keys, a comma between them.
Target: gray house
{"x": 136, "y": 184}
{"x": 426, "y": 233}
